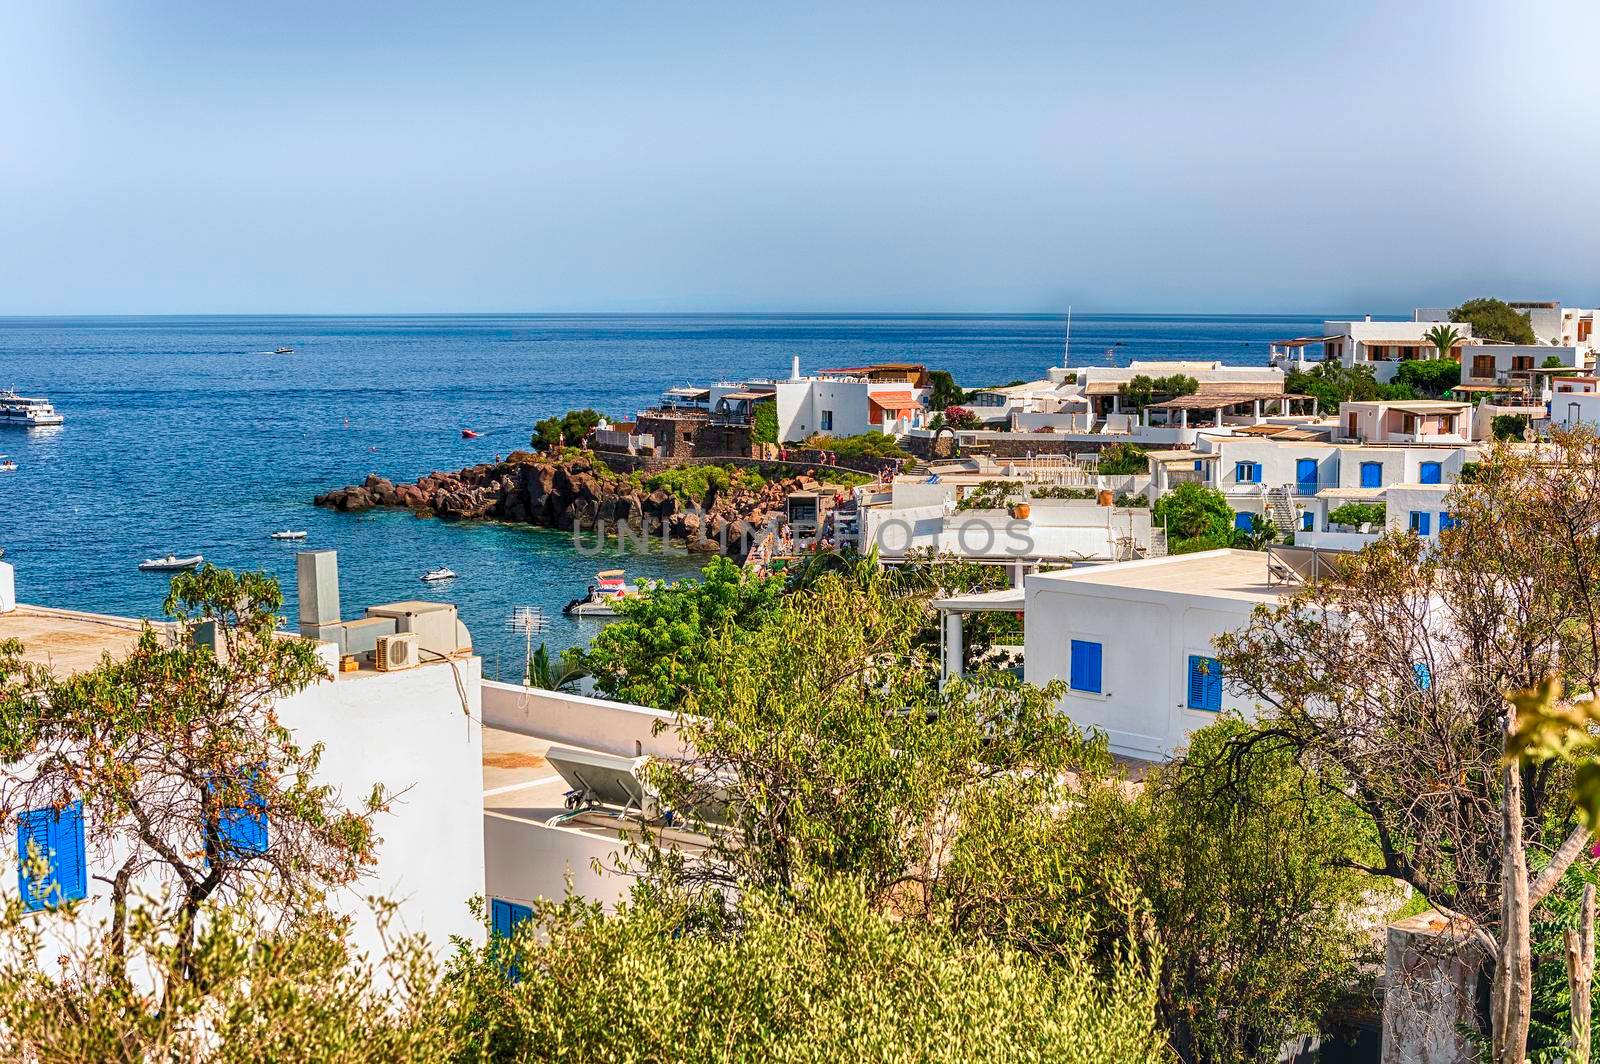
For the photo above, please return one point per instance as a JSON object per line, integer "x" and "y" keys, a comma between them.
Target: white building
{"x": 1382, "y": 345}
{"x": 1552, "y": 324}
{"x": 413, "y": 730}
{"x": 1133, "y": 643}
{"x": 1393, "y": 421}
{"x": 888, "y": 399}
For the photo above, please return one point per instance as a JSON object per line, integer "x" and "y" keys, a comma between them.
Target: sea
{"x": 188, "y": 435}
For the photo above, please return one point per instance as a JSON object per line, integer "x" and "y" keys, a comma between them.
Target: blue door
{"x": 1372, "y": 474}
{"x": 1305, "y": 476}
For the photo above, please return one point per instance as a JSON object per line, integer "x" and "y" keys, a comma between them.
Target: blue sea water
{"x": 185, "y": 435}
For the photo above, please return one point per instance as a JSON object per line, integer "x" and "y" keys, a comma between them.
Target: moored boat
{"x": 289, "y": 534}
{"x": 468, "y": 434}
{"x": 602, "y": 597}
{"x": 171, "y": 563}
{"x": 442, "y": 573}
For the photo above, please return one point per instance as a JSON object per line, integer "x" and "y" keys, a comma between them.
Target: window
{"x": 1483, "y": 366}
{"x": 1446, "y": 520}
{"x": 243, "y": 828}
{"x": 1243, "y": 521}
{"x": 56, "y": 836}
{"x": 1420, "y": 522}
{"x": 506, "y": 915}
{"x": 827, "y": 421}
{"x": 1372, "y": 474}
{"x": 1305, "y": 476}
{"x": 1431, "y": 473}
{"x": 1423, "y": 674}
{"x": 1247, "y": 472}
{"x": 1205, "y": 683}
{"x": 1199, "y": 465}
{"x": 1085, "y": 666}
{"x": 1308, "y": 521}
{"x": 1521, "y": 362}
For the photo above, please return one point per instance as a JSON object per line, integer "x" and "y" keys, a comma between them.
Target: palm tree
{"x": 560, "y": 675}
{"x": 1444, "y": 338}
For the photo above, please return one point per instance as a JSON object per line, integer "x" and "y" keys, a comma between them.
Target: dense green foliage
{"x": 866, "y": 445}
{"x": 1142, "y": 390}
{"x": 1196, "y": 518}
{"x": 943, "y": 390}
{"x": 1357, "y": 514}
{"x": 699, "y": 485}
{"x": 764, "y": 428}
{"x": 561, "y": 673}
{"x": 568, "y": 430}
{"x": 1508, "y": 426}
{"x": 990, "y": 495}
{"x": 1122, "y": 459}
{"x": 1495, "y": 319}
{"x": 1430, "y": 377}
{"x": 1444, "y": 339}
{"x": 1553, "y": 362}
{"x": 657, "y": 652}
{"x": 1332, "y": 384}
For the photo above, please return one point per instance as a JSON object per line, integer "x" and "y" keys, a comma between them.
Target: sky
{"x": 344, "y": 157}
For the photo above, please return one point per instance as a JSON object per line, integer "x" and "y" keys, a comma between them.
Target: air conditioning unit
{"x": 396, "y": 652}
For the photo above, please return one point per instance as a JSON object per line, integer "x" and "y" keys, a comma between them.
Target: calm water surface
{"x": 183, "y": 435}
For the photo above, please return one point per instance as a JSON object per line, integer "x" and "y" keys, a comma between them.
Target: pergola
{"x": 1222, "y": 405}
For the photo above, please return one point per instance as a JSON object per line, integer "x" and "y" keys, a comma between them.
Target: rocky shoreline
{"x": 576, "y": 494}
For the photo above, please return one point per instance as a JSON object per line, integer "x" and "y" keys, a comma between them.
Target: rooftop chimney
{"x": 1368, "y": 317}
{"x": 318, "y": 580}
{"x": 794, "y": 368}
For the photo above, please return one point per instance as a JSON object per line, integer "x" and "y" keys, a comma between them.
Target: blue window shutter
{"x": 1243, "y": 521}
{"x": 500, "y": 916}
{"x": 1205, "y": 683}
{"x": 1241, "y": 472}
{"x": 1085, "y": 666}
{"x": 1423, "y": 674}
{"x": 242, "y": 829}
{"x": 1446, "y": 520}
{"x": 1372, "y": 474}
{"x": 1430, "y": 473}
{"x": 1199, "y": 464}
{"x": 1421, "y": 522}
{"x": 1305, "y": 473}
{"x": 58, "y": 837}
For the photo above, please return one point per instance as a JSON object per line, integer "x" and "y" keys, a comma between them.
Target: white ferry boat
{"x": 20, "y": 410}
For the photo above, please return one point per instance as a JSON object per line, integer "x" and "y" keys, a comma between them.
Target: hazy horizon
{"x": 306, "y": 158}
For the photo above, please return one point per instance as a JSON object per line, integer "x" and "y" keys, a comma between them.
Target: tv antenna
{"x": 527, "y": 620}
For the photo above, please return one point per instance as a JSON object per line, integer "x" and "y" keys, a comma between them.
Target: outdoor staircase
{"x": 1280, "y": 509}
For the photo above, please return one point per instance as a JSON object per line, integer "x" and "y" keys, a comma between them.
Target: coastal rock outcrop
{"x": 576, "y": 494}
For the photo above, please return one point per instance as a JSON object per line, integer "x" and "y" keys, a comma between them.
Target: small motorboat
{"x": 283, "y": 350}
{"x": 7, "y": 465}
{"x": 289, "y": 534}
{"x": 441, "y": 573}
{"x": 602, "y": 597}
{"x": 468, "y": 434}
{"x": 171, "y": 563}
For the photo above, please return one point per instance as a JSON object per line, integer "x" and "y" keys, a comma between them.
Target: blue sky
{"x": 171, "y": 157}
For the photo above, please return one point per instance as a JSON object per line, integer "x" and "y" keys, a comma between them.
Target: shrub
{"x": 765, "y": 429}
{"x": 1357, "y": 514}
{"x": 1509, "y": 426}
{"x": 866, "y": 445}
{"x": 1122, "y": 459}
{"x": 568, "y": 430}
{"x": 961, "y": 419}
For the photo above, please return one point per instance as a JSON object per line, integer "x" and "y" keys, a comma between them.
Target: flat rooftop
{"x": 1229, "y": 574}
{"x": 69, "y": 641}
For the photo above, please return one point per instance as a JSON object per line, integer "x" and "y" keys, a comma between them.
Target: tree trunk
{"x": 1512, "y": 989}
{"x": 1580, "y": 972}
{"x": 118, "y": 943}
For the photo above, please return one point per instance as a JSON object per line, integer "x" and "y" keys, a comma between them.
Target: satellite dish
{"x": 1528, "y": 435}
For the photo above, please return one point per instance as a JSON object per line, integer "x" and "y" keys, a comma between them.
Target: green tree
{"x": 1333, "y": 384}
{"x": 1244, "y": 859}
{"x": 1508, "y": 426}
{"x": 182, "y": 767}
{"x": 568, "y": 430}
{"x": 1553, "y": 362}
{"x": 1357, "y": 514}
{"x": 1495, "y": 319}
{"x": 866, "y": 445}
{"x": 765, "y": 427}
{"x": 1194, "y": 512}
{"x": 1141, "y": 390}
{"x": 961, "y": 419}
{"x": 1421, "y": 655}
{"x": 1261, "y": 534}
{"x": 658, "y": 650}
{"x": 1430, "y": 377}
{"x": 1444, "y": 340}
{"x": 944, "y": 392}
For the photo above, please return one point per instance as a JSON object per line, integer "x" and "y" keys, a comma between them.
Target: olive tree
{"x": 188, "y": 780}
